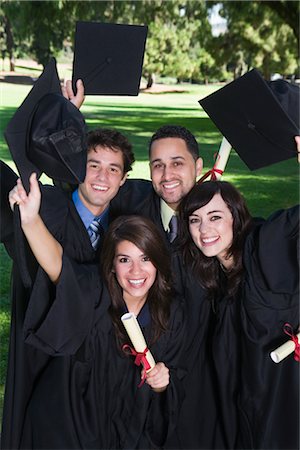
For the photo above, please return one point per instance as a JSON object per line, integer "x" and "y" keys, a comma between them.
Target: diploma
{"x": 220, "y": 163}
{"x": 284, "y": 350}
{"x": 137, "y": 338}
{"x": 222, "y": 158}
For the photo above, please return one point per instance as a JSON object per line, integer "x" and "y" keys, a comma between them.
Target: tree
{"x": 256, "y": 37}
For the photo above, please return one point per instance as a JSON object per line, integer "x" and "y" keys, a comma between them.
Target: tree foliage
{"x": 258, "y": 36}
{"x": 180, "y": 42}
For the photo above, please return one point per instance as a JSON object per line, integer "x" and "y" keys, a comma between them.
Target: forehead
{"x": 215, "y": 204}
{"x": 106, "y": 154}
{"x": 128, "y": 248}
{"x": 169, "y": 148}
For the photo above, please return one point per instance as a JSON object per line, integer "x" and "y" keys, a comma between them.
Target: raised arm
{"x": 44, "y": 246}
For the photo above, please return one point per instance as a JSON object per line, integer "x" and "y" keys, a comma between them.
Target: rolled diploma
{"x": 136, "y": 336}
{"x": 284, "y": 350}
{"x": 222, "y": 157}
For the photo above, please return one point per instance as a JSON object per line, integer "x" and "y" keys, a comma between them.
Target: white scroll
{"x": 284, "y": 350}
{"x": 137, "y": 338}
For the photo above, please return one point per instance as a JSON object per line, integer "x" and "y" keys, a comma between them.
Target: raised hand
{"x": 68, "y": 93}
{"x": 29, "y": 204}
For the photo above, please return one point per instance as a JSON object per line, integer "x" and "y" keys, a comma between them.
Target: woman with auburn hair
{"x": 92, "y": 392}
{"x": 250, "y": 273}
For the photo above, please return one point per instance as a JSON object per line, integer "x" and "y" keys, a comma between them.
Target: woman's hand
{"x": 158, "y": 378}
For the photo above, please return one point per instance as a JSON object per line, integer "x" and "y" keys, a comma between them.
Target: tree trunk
{"x": 9, "y": 43}
{"x": 150, "y": 80}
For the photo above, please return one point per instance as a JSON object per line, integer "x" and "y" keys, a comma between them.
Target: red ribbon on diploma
{"x": 140, "y": 359}
{"x": 212, "y": 172}
{"x": 287, "y": 328}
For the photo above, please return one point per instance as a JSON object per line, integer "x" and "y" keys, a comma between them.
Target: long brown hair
{"x": 208, "y": 268}
{"x": 144, "y": 234}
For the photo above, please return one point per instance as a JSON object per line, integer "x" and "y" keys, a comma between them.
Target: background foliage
{"x": 261, "y": 34}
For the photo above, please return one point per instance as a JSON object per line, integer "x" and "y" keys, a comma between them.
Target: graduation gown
{"x": 87, "y": 396}
{"x": 139, "y": 197}
{"x": 25, "y": 363}
{"x": 199, "y": 424}
{"x": 269, "y": 392}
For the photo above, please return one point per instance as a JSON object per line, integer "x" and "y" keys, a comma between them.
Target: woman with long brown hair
{"x": 250, "y": 273}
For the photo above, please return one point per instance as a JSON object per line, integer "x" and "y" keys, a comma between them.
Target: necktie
{"x": 173, "y": 227}
{"x": 96, "y": 232}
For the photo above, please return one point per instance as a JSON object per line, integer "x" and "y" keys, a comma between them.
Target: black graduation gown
{"x": 269, "y": 392}
{"x": 259, "y": 398}
{"x": 25, "y": 363}
{"x": 138, "y": 197}
{"x": 88, "y": 396}
{"x": 199, "y": 424}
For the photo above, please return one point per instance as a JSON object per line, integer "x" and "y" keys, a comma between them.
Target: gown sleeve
{"x": 59, "y": 317}
{"x": 275, "y": 251}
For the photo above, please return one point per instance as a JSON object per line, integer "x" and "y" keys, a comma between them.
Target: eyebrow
{"x": 127, "y": 256}
{"x": 172, "y": 157}
{"x": 96, "y": 161}
{"x": 210, "y": 212}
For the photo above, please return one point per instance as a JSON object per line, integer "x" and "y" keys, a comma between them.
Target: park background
{"x": 193, "y": 48}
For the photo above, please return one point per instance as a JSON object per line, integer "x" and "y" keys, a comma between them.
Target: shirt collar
{"x": 143, "y": 316}
{"x": 166, "y": 213}
{"x": 86, "y": 215}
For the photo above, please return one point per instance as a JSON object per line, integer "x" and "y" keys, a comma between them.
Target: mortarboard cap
{"x": 259, "y": 119}
{"x": 109, "y": 57}
{"x": 47, "y": 133}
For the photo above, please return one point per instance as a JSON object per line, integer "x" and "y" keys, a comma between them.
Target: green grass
{"x": 266, "y": 190}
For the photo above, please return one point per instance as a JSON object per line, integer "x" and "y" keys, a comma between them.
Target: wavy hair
{"x": 144, "y": 235}
{"x": 207, "y": 269}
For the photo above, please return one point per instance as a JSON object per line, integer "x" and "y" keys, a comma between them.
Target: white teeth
{"x": 208, "y": 240}
{"x": 99, "y": 188}
{"x": 137, "y": 282}
{"x": 171, "y": 186}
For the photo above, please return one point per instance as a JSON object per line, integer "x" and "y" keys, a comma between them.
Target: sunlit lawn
{"x": 266, "y": 190}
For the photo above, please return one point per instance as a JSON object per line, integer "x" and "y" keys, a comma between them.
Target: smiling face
{"x": 135, "y": 274}
{"x": 173, "y": 169}
{"x": 104, "y": 176}
{"x": 211, "y": 228}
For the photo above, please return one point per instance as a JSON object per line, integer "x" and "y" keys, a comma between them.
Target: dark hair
{"x": 208, "y": 268}
{"x": 115, "y": 141}
{"x": 176, "y": 131}
{"x": 144, "y": 234}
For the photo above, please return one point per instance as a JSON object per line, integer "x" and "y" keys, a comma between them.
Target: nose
{"x": 101, "y": 173}
{"x": 203, "y": 226}
{"x": 167, "y": 172}
{"x": 135, "y": 267}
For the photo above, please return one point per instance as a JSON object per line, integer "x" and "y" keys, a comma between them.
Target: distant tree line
{"x": 261, "y": 34}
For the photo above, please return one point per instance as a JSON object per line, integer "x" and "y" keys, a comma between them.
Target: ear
{"x": 199, "y": 166}
{"x": 123, "y": 179}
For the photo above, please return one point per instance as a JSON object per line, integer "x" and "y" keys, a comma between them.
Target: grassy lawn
{"x": 266, "y": 189}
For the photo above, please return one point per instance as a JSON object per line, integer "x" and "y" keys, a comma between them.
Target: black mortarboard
{"x": 260, "y": 119}
{"x": 108, "y": 57}
{"x": 47, "y": 133}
